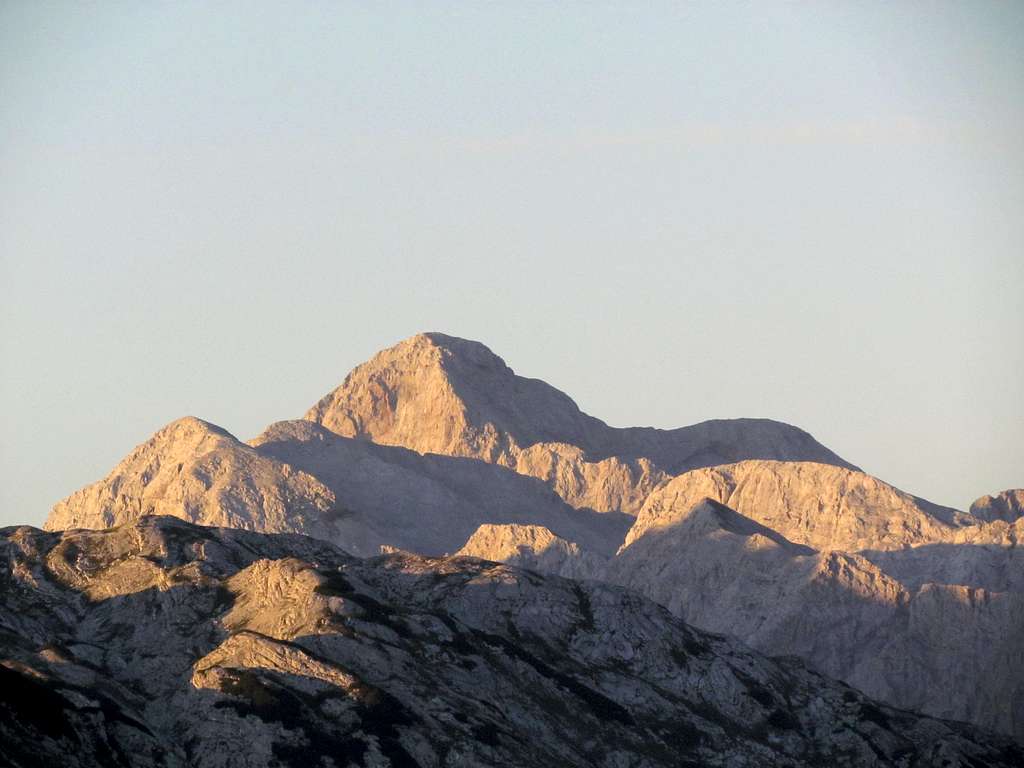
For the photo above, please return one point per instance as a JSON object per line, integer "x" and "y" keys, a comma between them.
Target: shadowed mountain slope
{"x": 935, "y": 625}
{"x": 820, "y": 505}
{"x": 298, "y": 477}
{"x": 160, "y": 643}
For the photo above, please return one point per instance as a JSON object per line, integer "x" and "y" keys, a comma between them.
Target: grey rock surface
{"x": 913, "y": 627}
{"x": 161, "y": 643}
{"x": 820, "y": 505}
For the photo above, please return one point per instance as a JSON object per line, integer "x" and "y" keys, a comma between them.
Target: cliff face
{"x": 161, "y": 643}
{"x": 935, "y": 627}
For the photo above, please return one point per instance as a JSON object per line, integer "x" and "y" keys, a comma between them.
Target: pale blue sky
{"x": 810, "y": 212}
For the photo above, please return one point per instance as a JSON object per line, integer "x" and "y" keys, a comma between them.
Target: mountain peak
{"x": 435, "y": 393}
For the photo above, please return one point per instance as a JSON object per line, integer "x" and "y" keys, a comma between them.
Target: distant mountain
{"x": 948, "y": 647}
{"x": 161, "y": 643}
{"x": 439, "y": 394}
{"x": 199, "y": 472}
{"x": 821, "y": 505}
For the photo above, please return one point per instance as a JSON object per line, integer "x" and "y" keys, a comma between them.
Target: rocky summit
{"x": 439, "y": 394}
{"x": 747, "y": 528}
{"x": 162, "y": 643}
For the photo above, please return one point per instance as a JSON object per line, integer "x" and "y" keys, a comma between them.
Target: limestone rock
{"x": 879, "y": 624}
{"x": 1008, "y": 506}
{"x": 535, "y": 547}
{"x": 199, "y": 472}
{"x": 242, "y": 649}
{"x": 439, "y": 394}
{"x": 299, "y": 477}
{"x": 820, "y": 505}
{"x": 745, "y": 527}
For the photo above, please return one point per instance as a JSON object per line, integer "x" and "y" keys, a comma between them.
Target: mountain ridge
{"x": 436, "y": 393}
{"x": 161, "y": 643}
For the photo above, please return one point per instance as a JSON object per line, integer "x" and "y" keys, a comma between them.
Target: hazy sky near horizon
{"x": 808, "y": 212}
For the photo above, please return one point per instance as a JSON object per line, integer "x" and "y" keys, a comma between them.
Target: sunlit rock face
{"x": 440, "y": 394}
{"x": 199, "y": 472}
{"x": 534, "y": 547}
{"x": 299, "y": 477}
{"x": 162, "y": 643}
{"x": 820, "y": 505}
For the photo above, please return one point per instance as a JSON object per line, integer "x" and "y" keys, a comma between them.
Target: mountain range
{"x": 747, "y": 527}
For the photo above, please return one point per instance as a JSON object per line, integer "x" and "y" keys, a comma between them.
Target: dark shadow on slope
{"x": 502, "y": 685}
{"x": 734, "y": 522}
{"x": 991, "y": 567}
{"x": 836, "y": 611}
{"x": 433, "y": 503}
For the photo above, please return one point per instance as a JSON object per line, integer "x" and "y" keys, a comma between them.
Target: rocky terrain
{"x": 935, "y": 628}
{"x": 745, "y": 527}
{"x": 298, "y": 477}
{"x": 439, "y": 394}
{"x": 162, "y": 643}
{"x": 1008, "y": 506}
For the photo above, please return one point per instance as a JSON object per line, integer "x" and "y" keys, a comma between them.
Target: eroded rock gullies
{"x": 919, "y": 627}
{"x": 161, "y": 643}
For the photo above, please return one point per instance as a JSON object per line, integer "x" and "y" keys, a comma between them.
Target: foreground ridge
{"x": 164, "y": 643}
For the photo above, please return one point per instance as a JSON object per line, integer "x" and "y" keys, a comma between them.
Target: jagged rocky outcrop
{"x": 161, "y": 643}
{"x": 439, "y": 394}
{"x": 1007, "y": 506}
{"x": 872, "y": 619}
